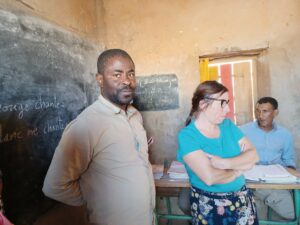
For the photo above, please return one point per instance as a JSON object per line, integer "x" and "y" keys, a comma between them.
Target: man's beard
{"x": 119, "y": 100}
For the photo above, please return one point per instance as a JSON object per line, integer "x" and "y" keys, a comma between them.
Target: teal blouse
{"x": 190, "y": 139}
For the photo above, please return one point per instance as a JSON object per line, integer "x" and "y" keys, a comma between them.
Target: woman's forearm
{"x": 201, "y": 165}
{"x": 244, "y": 161}
{"x": 219, "y": 176}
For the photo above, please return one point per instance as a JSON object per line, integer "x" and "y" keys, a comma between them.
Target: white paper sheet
{"x": 270, "y": 173}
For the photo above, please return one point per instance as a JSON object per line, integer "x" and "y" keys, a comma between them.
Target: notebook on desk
{"x": 177, "y": 171}
{"x": 270, "y": 174}
{"x": 158, "y": 171}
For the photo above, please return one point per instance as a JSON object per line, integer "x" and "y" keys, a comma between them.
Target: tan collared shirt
{"x": 102, "y": 161}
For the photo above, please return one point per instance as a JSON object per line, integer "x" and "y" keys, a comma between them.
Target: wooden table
{"x": 166, "y": 187}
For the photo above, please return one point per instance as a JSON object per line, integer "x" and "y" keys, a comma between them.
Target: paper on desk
{"x": 177, "y": 171}
{"x": 270, "y": 173}
{"x": 158, "y": 171}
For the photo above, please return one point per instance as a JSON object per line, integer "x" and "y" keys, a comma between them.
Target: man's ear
{"x": 276, "y": 112}
{"x": 99, "y": 78}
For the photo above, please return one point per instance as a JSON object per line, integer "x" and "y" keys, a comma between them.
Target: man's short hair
{"x": 270, "y": 100}
{"x": 104, "y": 56}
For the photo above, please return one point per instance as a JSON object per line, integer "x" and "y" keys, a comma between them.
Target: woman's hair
{"x": 204, "y": 90}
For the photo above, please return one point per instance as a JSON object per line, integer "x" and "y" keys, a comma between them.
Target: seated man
{"x": 274, "y": 145}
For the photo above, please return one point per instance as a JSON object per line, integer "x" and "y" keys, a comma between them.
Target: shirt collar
{"x": 275, "y": 127}
{"x": 115, "y": 109}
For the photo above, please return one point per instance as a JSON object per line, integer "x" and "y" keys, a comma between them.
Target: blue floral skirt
{"x": 229, "y": 208}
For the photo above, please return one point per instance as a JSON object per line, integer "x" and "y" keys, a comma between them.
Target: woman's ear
{"x": 203, "y": 104}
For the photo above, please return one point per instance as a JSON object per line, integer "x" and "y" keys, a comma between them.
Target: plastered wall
{"x": 82, "y": 17}
{"x": 169, "y": 36}
{"x": 166, "y": 37}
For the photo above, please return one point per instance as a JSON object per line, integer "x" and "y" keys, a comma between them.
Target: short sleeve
{"x": 236, "y": 132}
{"x": 187, "y": 143}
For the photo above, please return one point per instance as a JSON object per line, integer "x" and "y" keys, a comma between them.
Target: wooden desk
{"x": 166, "y": 187}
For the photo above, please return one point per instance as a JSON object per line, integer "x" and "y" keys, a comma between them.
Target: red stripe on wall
{"x": 226, "y": 80}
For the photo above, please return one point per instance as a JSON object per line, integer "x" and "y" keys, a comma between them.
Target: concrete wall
{"x": 169, "y": 36}
{"x": 166, "y": 37}
{"x": 82, "y": 17}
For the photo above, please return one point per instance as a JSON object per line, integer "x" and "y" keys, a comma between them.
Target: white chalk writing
{"x": 52, "y": 126}
{"x": 43, "y": 104}
{"x": 18, "y": 107}
{"x": 39, "y": 104}
{"x": 17, "y": 134}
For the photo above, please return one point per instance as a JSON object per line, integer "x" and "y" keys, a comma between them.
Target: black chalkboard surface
{"x": 45, "y": 81}
{"x": 157, "y": 92}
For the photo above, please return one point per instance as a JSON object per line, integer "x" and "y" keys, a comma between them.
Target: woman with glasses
{"x": 215, "y": 153}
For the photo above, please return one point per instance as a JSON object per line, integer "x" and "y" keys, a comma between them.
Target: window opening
{"x": 238, "y": 74}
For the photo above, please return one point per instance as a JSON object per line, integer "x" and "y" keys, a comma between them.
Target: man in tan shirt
{"x": 102, "y": 158}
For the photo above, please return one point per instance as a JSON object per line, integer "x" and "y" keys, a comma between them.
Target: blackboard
{"x": 157, "y": 92}
{"x": 46, "y": 79}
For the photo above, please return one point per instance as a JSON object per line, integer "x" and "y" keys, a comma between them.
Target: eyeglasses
{"x": 223, "y": 101}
